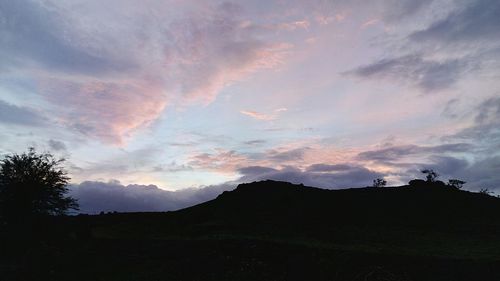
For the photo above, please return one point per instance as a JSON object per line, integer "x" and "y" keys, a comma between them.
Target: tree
{"x": 32, "y": 185}
{"x": 485, "y": 191}
{"x": 431, "y": 175}
{"x": 379, "y": 182}
{"x": 455, "y": 183}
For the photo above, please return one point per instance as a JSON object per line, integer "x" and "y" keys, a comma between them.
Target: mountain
{"x": 273, "y": 230}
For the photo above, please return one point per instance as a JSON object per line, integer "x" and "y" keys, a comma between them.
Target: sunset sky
{"x": 147, "y": 97}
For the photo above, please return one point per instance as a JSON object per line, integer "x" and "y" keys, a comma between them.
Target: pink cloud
{"x": 297, "y": 154}
{"x": 369, "y": 23}
{"x": 263, "y": 116}
{"x": 222, "y": 161}
{"x": 215, "y": 50}
{"x": 257, "y": 115}
{"x": 300, "y": 24}
{"x": 110, "y": 111}
{"x": 188, "y": 59}
{"x": 326, "y": 20}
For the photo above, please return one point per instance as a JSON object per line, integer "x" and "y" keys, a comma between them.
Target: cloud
{"x": 216, "y": 49}
{"x": 262, "y": 116}
{"x": 426, "y": 74}
{"x": 109, "y": 85}
{"x": 350, "y": 175}
{"x": 483, "y": 174}
{"x": 226, "y": 161}
{"x": 95, "y": 196}
{"x": 255, "y": 142}
{"x": 395, "y": 153}
{"x": 20, "y": 115}
{"x": 488, "y": 111}
{"x": 56, "y": 145}
{"x": 107, "y": 110}
{"x": 369, "y": 23}
{"x": 295, "y": 154}
{"x": 328, "y": 168}
{"x": 255, "y": 171}
{"x": 229, "y": 161}
{"x": 462, "y": 38}
{"x": 290, "y": 26}
{"x": 126, "y": 164}
{"x": 257, "y": 115}
{"x": 32, "y": 32}
{"x": 478, "y": 20}
{"x": 400, "y": 9}
{"x": 485, "y": 126}
{"x": 448, "y": 165}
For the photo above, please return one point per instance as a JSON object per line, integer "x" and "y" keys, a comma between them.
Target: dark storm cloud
{"x": 338, "y": 176}
{"x": 94, "y": 197}
{"x": 479, "y": 20}
{"x": 31, "y": 32}
{"x": 397, "y": 152}
{"x": 428, "y": 75}
{"x": 18, "y": 115}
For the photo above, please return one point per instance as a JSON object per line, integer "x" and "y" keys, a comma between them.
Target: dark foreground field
{"x": 272, "y": 231}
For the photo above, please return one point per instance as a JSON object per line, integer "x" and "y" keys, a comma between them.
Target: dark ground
{"x": 272, "y": 231}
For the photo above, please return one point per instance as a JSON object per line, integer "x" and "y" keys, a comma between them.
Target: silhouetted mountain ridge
{"x": 272, "y": 230}
{"x": 281, "y": 202}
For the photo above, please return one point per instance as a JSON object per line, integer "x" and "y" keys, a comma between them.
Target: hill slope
{"x": 279, "y": 231}
{"x": 393, "y": 219}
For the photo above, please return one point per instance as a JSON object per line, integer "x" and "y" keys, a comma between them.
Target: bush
{"x": 379, "y": 182}
{"x": 458, "y": 184}
{"x": 431, "y": 175}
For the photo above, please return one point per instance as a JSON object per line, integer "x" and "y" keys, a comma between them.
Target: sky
{"x": 157, "y": 105}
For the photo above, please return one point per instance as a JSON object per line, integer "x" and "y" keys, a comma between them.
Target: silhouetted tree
{"x": 458, "y": 184}
{"x": 31, "y": 185}
{"x": 431, "y": 175}
{"x": 379, "y": 182}
{"x": 485, "y": 191}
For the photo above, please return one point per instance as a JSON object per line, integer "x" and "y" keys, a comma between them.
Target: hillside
{"x": 279, "y": 231}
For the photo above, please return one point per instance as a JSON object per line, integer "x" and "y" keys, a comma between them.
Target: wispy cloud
{"x": 427, "y": 74}
{"x": 107, "y": 86}
{"x": 137, "y": 89}
{"x": 20, "y": 115}
{"x": 263, "y": 116}
{"x": 301, "y": 24}
{"x": 369, "y": 23}
{"x": 257, "y": 115}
